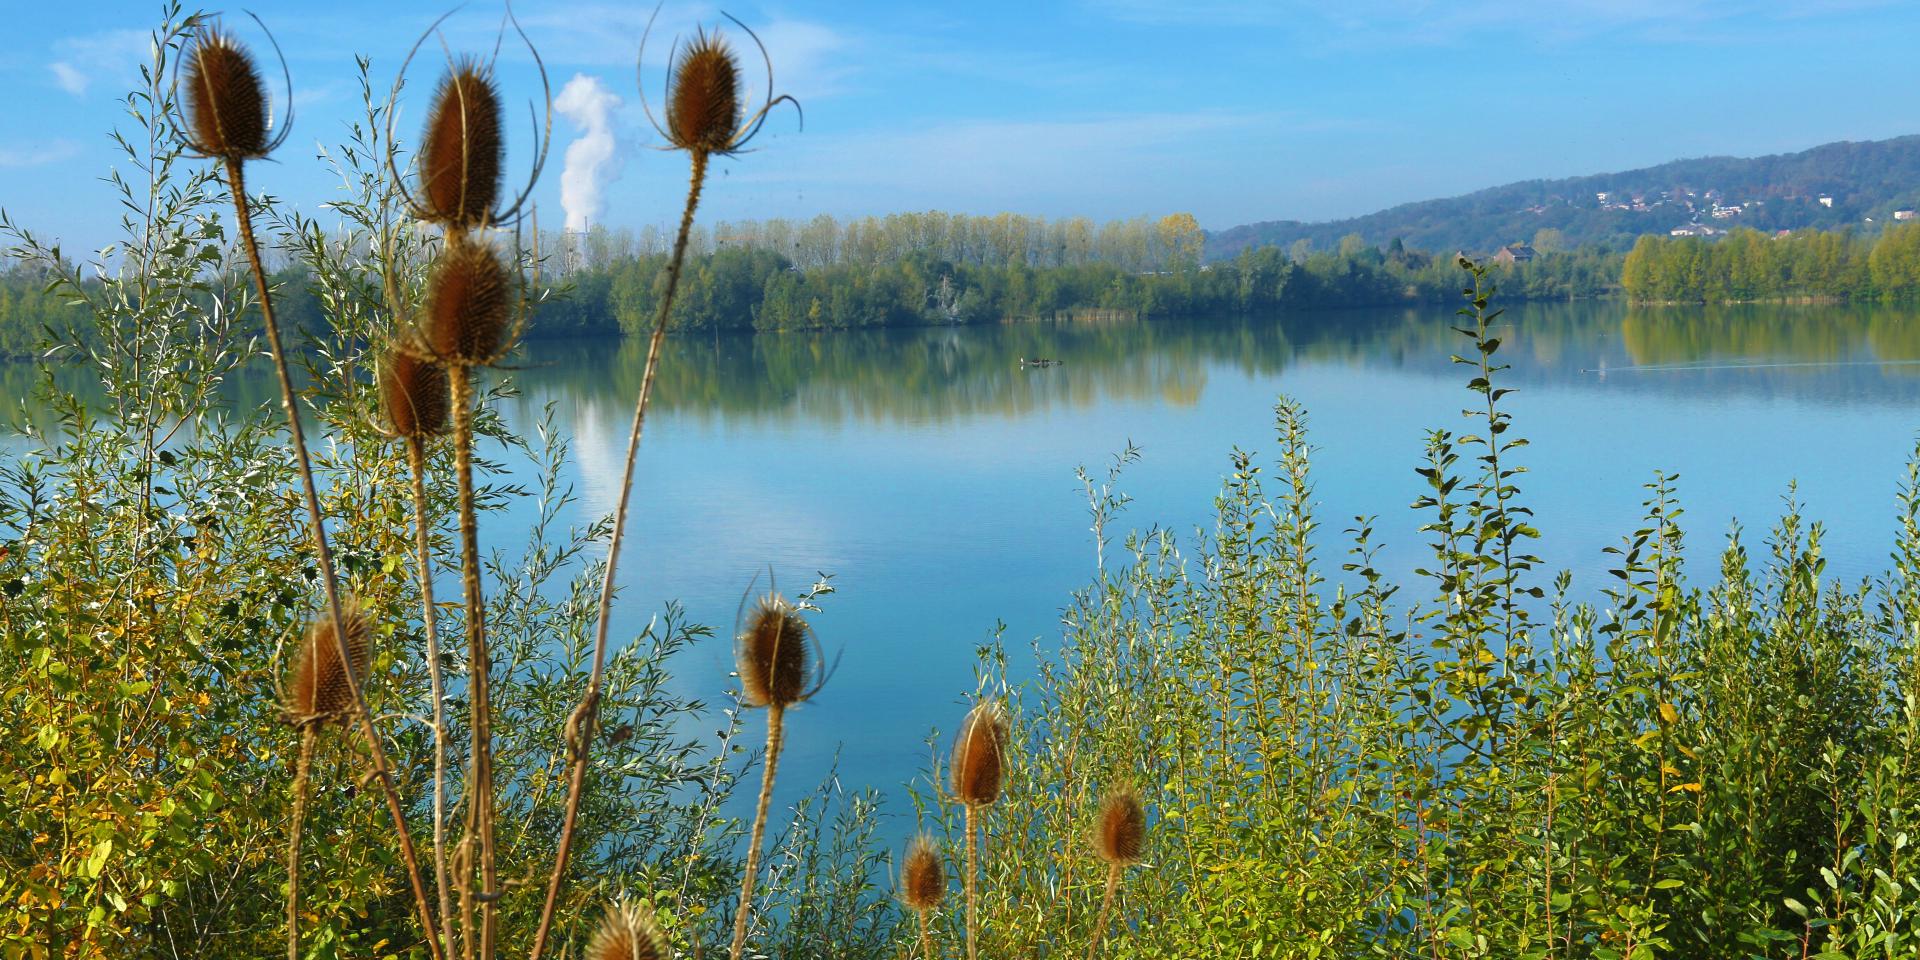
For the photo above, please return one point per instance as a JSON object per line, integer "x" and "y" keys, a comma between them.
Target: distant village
{"x": 1704, "y": 214}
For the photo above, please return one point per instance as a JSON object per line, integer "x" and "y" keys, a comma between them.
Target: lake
{"x": 933, "y": 476}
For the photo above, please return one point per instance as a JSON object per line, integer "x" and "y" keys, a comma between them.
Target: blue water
{"x": 933, "y": 477}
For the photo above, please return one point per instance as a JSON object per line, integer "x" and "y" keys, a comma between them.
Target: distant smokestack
{"x": 593, "y": 159}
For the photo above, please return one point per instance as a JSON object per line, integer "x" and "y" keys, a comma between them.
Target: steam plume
{"x": 593, "y": 159}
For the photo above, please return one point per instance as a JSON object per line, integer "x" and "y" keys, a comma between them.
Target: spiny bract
{"x": 320, "y": 691}
{"x": 703, "y": 100}
{"x": 978, "y": 755}
{"x": 413, "y": 394}
{"x": 226, "y": 102}
{"x": 775, "y": 655}
{"x": 469, "y": 304}
{"x": 462, "y": 154}
{"x": 630, "y": 932}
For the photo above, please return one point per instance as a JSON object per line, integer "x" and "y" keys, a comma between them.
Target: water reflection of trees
{"x": 928, "y": 374}
{"x": 933, "y": 374}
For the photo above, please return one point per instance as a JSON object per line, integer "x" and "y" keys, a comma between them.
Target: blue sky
{"x": 1235, "y": 111}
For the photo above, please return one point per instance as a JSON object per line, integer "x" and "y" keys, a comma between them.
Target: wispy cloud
{"x": 69, "y": 78}
{"x": 112, "y": 56}
{"x": 1430, "y": 21}
{"x": 1094, "y": 162}
{"x": 38, "y": 154}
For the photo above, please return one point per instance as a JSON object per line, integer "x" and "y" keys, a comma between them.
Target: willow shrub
{"x": 153, "y": 567}
{"x": 1473, "y": 764}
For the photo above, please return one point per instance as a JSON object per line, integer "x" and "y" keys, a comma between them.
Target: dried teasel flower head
{"x": 775, "y": 654}
{"x": 979, "y": 755}
{"x": 1120, "y": 834}
{"x": 703, "y": 97}
{"x": 320, "y": 691}
{"x": 413, "y": 395}
{"x": 630, "y": 932}
{"x": 706, "y": 108}
{"x": 463, "y": 149}
{"x": 227, "y": 104}
{"x": 469, "y": 304}
{"x": 923, "y": 882}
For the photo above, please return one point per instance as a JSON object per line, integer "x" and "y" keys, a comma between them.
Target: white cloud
{"x": 114, "y": 56}
{"x": 593, "y": 159}
{"x": 69, "y": 79}
{"x": 37, "y": 154}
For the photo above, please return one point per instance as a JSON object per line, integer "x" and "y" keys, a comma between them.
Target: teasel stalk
{"x": 923, "y": 884}
{"x": 468, "y": 307}
{"x": 414, "y": 395}
{"x": 1119, "y": 838}
{"x": 328, "y": 659}
{"x": 777, "y": 670}
{"x": 229, "y": 120}
{"x": 706, "y": 118}
{"x": 469, "y": 303}
{"x": 978, "y": 769}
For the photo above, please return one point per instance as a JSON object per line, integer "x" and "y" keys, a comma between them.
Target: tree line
{"x": 922, "y": 269}
{"x": 1749, "y": 265}
{"x": 926, "y": 269}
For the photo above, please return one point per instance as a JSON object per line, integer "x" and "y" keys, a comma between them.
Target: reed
{"x": 706, "y": 76}
{"x": 923, "y": 884}
{"x": 228, "y": 120}
{"x": 1119, "y": 838}
{"x": 978, "y": 770}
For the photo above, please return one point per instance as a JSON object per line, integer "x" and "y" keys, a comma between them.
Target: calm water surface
{"x": 932, "y": 476}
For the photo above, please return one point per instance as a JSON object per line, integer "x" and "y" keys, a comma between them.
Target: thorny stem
{"x": 302, "y": 789}
{"x": 926, "y": 934}
{"x": 775, "y": 715}
{"x": 236, "y": 185}
{"x": 587, "y": 712}
{"x": 417, "y": 462}
{"x": 973, "y": 864}
{"x": 1106, "y": 909}
{"x": 479, "y": 824}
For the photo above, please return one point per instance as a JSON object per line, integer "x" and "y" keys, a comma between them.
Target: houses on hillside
{"x": 1694, "y": 230}
{"x": 1514, "y": 253}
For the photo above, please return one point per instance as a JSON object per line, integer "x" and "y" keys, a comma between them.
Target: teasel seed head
{"x": 414, "y": 395}
{"x": 630, "y": 932}
{"x": 703, "y": 97}
{"x": 226, "y": 101}
{"x": 469, "y": 304}
{"x": 462, "y": 153}
{"x": 775, "y": 655}
{"x": 320, "y": 692}
{"x": 923, "y": 882}
{"x": 1120, "y": 836}
{"x": 979, "y": 755}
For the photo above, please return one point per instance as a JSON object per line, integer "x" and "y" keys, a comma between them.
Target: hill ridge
{"x": 1861, "y": 180}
